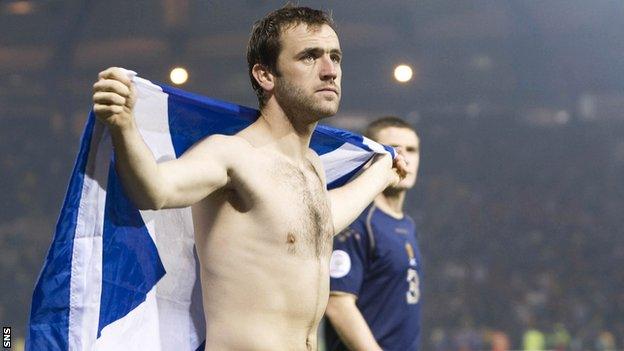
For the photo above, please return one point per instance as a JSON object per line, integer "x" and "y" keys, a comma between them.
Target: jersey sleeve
{"x": 349, "y": 259}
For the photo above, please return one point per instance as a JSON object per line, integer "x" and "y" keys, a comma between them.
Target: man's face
{"x": 406, "y": 143}
{"x": 308, "y": 84}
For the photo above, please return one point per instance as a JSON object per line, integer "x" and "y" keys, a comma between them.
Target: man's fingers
{"x": 116, "y": 73}
{"x": 107, "y": 110}
{"x": 401, "y": 172}
{"x": 111, "y": 85}
{"x": 101, "y": 110}
{"x": 401, "y": 166}
{"x": 114, "y": 97}
{"x": 133, "y": 95}
{"x": 106, "y": 98}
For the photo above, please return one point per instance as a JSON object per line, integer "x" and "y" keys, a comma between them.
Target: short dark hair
{"x": 264, "y": 44}
{"x": 377, "y": 125}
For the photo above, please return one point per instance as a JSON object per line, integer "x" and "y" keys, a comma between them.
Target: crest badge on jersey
{"x": 340, "y": 264}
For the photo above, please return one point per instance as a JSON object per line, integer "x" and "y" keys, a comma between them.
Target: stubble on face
{"x": 404, "y": 185}
{"x": 301, "y": 88}
{"x": 298, "y": 105}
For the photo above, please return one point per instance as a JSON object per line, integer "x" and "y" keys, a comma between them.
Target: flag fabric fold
{"x": 119, "y": 278}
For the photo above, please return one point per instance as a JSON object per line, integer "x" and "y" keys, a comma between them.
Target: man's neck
{"x": 290, "y": 138}
{"x": 391, "y": 203}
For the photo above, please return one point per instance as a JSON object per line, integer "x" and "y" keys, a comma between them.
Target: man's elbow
{"x": 147, "y": 206}
{"x": 151, "y": 203}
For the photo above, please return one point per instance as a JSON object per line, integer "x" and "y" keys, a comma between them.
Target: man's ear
{"x": 264, "y": 77}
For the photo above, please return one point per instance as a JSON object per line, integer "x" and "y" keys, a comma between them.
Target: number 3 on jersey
{"x": 413, "y": 293}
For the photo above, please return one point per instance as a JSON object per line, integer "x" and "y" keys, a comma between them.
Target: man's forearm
{"x": 350, "y": 325}
{"x": 137, "y": 168}
{"x": 114, "y": 97}
{"x": 348, "y": 201}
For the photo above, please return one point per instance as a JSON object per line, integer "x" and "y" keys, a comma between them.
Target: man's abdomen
{"x": 255, "y": 298}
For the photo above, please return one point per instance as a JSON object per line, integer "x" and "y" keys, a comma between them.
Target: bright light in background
{"x": 403, "y": 73}
{"x": 19, "y": 7}
{"x": 178, "y": 75}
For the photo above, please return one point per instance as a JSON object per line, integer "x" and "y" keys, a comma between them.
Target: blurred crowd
{"x": 520, "y": 228}
{"x": 39, "y": 152}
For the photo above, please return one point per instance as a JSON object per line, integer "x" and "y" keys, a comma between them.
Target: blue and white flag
{"x": 119, "y": 278}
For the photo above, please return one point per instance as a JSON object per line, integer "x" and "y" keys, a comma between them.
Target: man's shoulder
{"x": 410, "y": 220}
{"x": 316, "y": 162}
{"x": 224, "y": 143}
{"x": 314, "y": 158}
{"x": 227, "y": 150}
{"x": 313, "y": 155}
{"x": 381, "y": 224}
{"x": 229, "y": 140}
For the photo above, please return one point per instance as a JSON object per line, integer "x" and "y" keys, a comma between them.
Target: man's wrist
{"x": 123, "y": 128}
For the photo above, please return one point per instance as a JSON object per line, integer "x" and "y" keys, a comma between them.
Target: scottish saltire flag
{"x": 118, "y": 278}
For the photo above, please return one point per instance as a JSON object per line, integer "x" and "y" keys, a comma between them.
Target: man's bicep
{"x": 338, "y": 212}
{"x": 341, "y": 298}
{"x": 200, "y": 171}
{"x": 342, "y": 209}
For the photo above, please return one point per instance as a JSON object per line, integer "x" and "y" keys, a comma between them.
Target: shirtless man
{"x": 263, "y": 218}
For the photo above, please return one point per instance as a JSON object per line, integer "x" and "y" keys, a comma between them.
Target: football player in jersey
{"x": 375, "y": 267}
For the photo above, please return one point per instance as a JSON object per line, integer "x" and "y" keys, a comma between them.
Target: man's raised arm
{"x": 150, "y": 185}
{"x": 348, "y": 201}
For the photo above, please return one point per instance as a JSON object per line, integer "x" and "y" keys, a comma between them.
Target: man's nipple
{"x": 290, "y": 239}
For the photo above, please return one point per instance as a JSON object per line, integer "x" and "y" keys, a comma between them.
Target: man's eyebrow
{"x": 409, "y": 147}
{"x": 313, "y": 51}
{"x": 318, "y": 51}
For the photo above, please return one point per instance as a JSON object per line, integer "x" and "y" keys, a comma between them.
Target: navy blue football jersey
{"x": 377, "y": 259}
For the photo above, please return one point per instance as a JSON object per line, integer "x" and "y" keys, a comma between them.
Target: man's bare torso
{"x": 264, "y": 243}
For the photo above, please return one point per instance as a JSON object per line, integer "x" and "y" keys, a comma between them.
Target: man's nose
{"x": 328, "y": 68}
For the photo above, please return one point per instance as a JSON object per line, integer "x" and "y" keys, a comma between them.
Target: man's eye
{"x": 336, "y": 59}
{"x": 308, "y": 58}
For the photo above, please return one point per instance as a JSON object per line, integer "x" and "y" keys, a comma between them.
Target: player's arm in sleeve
{"x": 347, "y": 267}
{"x": 151, "y": 185}
{"x": 349, "y": 200}
{"x": 349, "y": 322}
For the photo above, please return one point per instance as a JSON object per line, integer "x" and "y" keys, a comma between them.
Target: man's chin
{"x": 327, "y": 114}
{"x": 326, "y": 111}
{"x": 329, "y": 109}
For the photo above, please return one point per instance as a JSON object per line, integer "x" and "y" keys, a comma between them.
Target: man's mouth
{"x": 329, "y": 89}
